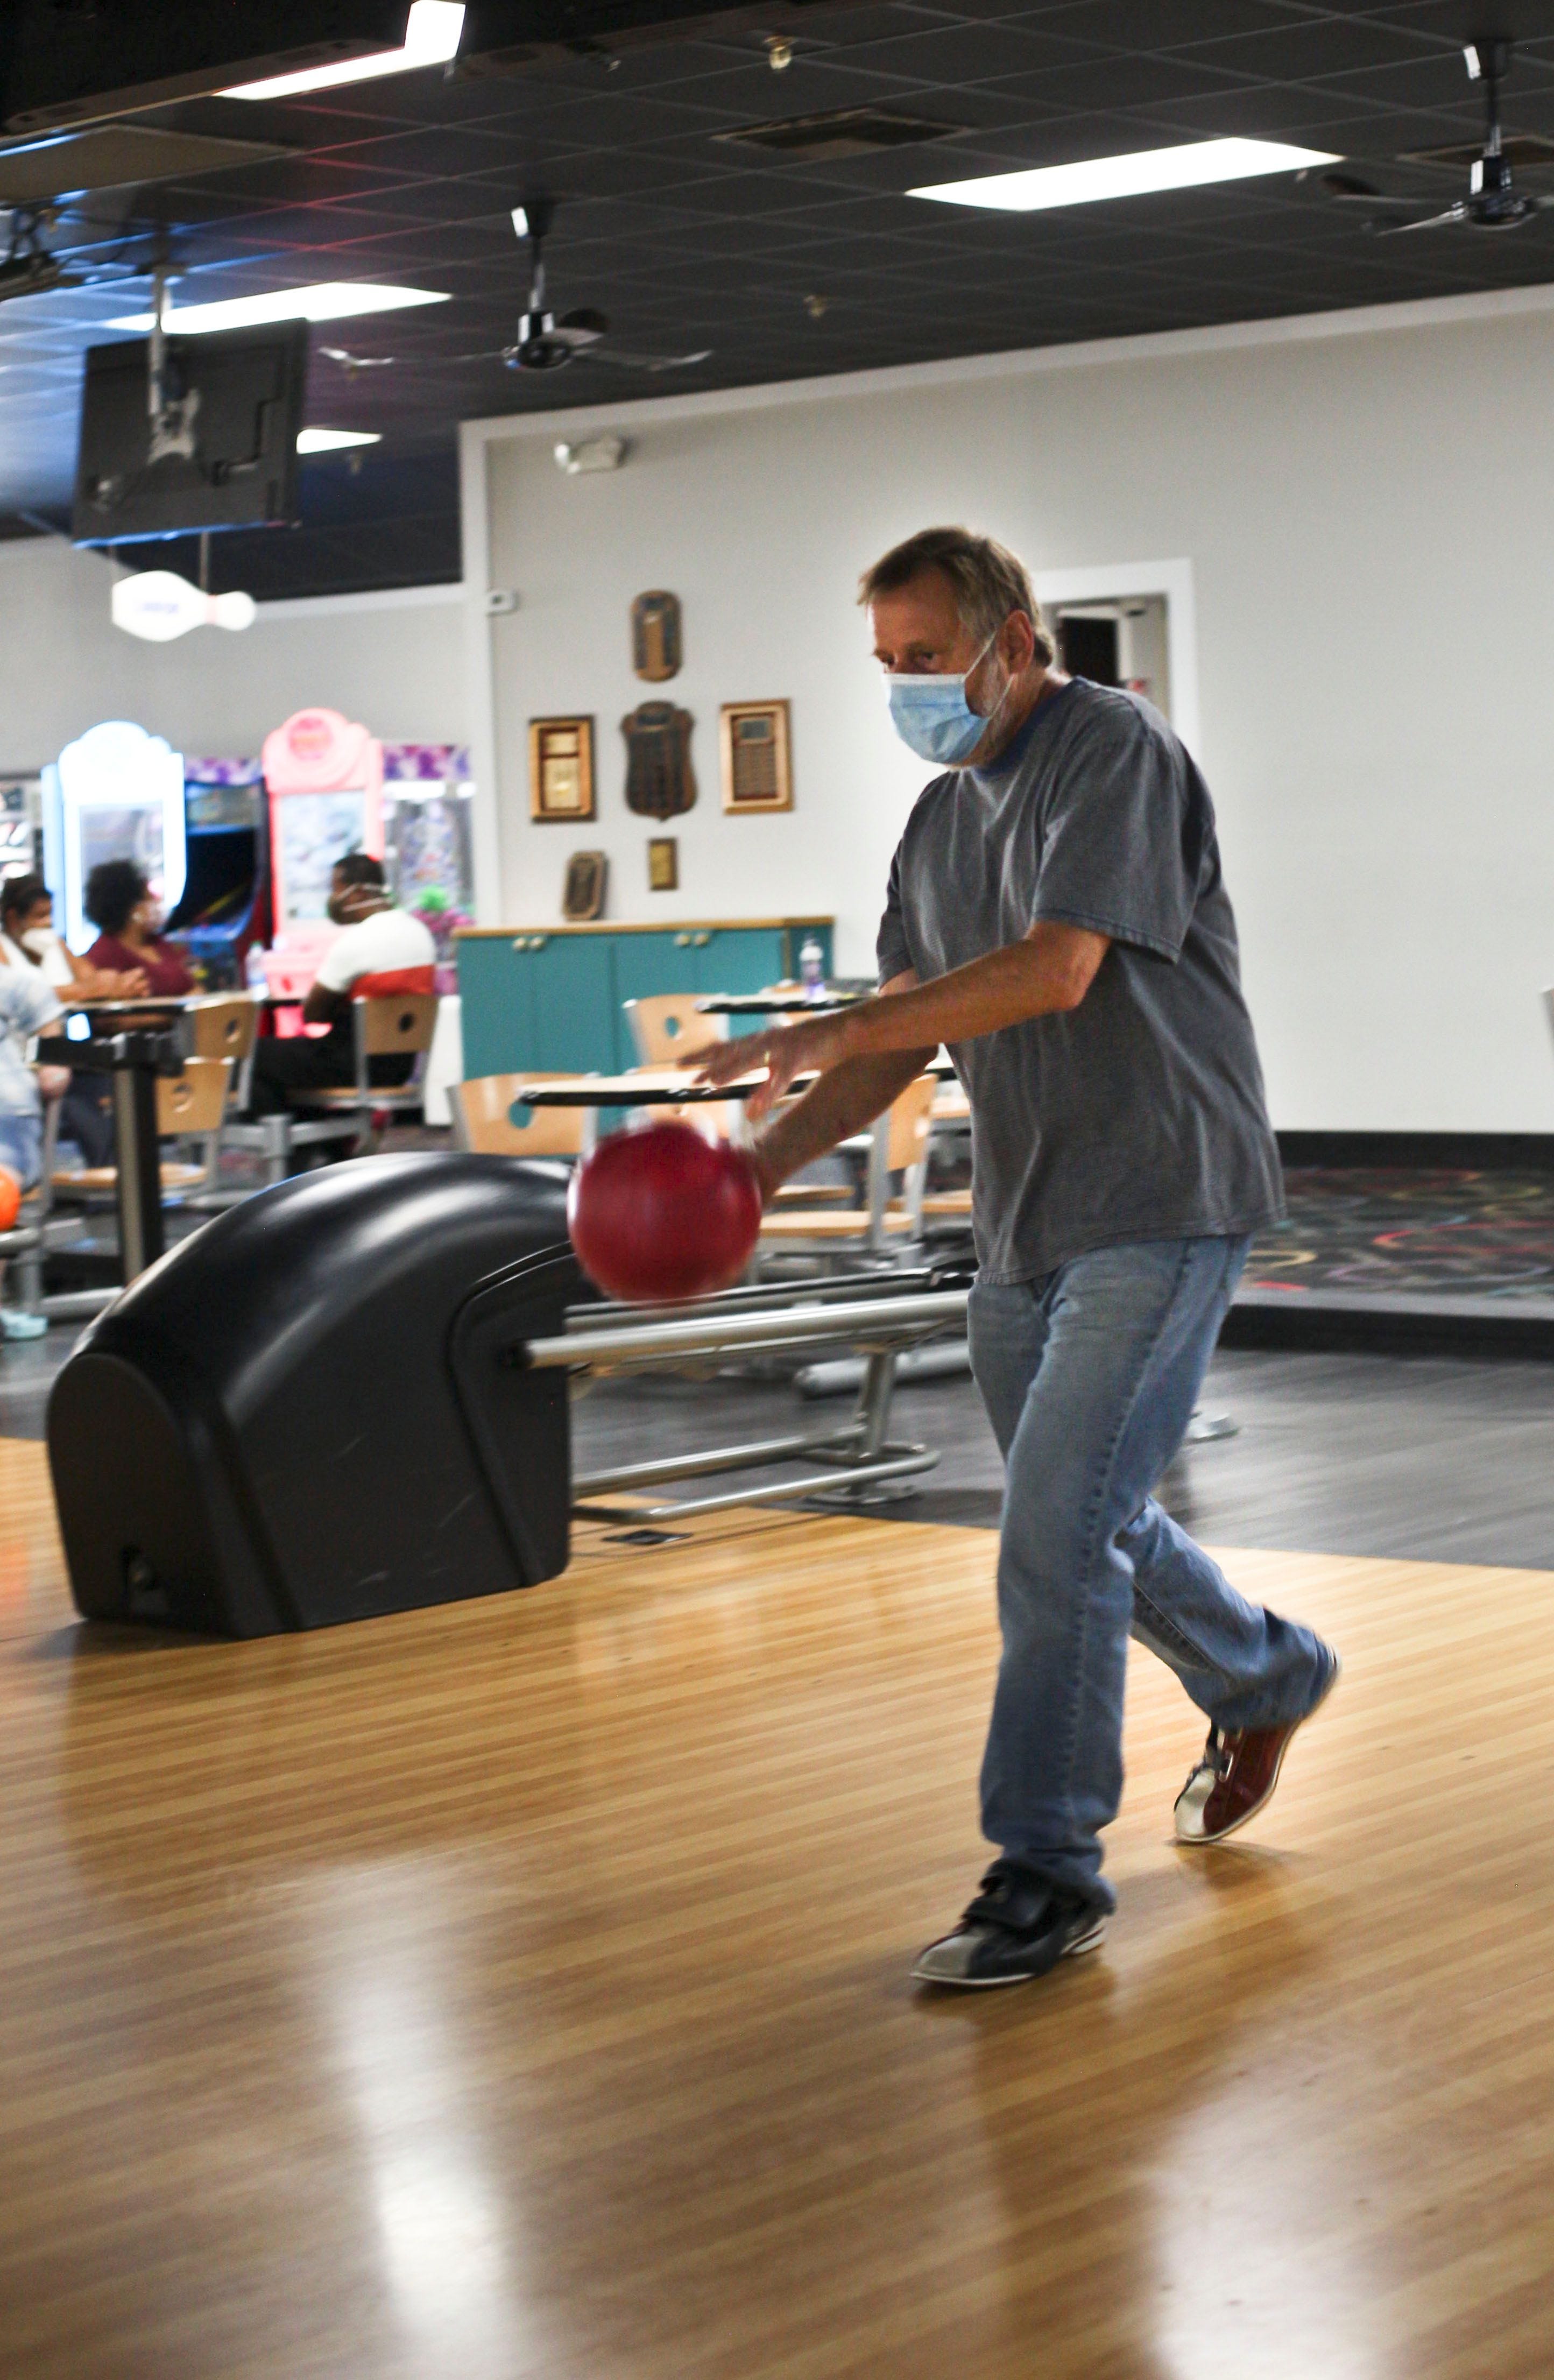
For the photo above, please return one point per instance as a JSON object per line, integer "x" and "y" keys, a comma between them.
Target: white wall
{"x": 63, "y": 666}
{"x": 1367, "y": 508}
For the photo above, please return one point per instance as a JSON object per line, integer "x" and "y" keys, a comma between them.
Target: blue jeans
{"x": 1090, "y": 1375}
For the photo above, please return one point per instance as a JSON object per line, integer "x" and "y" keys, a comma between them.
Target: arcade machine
{"x": 225, "y": 909}
{"x": 323, "y": 776}
{"x": 429, "y": 841}
{"x": 115, "y": 792}
{"x": 21, "y": 799}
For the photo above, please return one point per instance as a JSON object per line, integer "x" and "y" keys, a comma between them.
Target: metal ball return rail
{"x": 875, "y": 1316}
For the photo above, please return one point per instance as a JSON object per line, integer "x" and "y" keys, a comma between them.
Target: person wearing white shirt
{"x": 31, "y": 943}
{"x": 381, "y": 949}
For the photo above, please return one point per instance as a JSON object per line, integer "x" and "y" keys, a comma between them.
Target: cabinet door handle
{"x": 520, "y": 941}
{"x": 699, "y": 942}
{"x": 682, "y": 941}
{"x": 537, "y": 942}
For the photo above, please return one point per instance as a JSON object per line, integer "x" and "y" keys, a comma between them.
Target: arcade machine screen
{"x": 20, "y": 803}
{"x": 429, "y": 858}
{"x": 105, "y": 832}
{"x": 224, "y": 907}
{"x": 315, "y": 830}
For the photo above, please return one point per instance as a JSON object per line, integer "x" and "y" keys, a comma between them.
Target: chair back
{"x": 396, "y": 1025}
{"x": 195, "y": 1100}
{"x": 491, "y": 1118}
{"x": 667, "y": 1025}
{"x": 911, "y": 1114}
{"x": 224, "y": 1025}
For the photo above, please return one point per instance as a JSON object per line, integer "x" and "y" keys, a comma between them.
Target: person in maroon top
{"x": 118, "y": 900}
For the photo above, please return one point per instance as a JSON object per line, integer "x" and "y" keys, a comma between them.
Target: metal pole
{"x": 880, "y": 1319}
{"x": 138, "y": 1168}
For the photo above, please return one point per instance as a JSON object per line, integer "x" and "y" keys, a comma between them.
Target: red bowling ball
{"x": 10, "y": 1197}
{"x": 659, "y": 1213}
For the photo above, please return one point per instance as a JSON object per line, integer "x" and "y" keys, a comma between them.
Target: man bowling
{"x": 1057, "y": 915}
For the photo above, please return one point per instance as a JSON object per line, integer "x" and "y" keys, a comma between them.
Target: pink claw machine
{"x": 323, "y": 776}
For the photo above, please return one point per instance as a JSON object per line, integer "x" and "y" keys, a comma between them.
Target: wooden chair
{"x": 190, "y": 1106}
{"x": 950, "y": 1119}
{"x": 792, "y": 1228}
{"x": 668, "y": 1024}
{"x": 389, "y": 1024}
{"x": 490, "y": 1117}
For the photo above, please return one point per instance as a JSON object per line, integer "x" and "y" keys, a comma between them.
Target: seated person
{"x": 382, "y": 949}
{"x": 27, "y": 1005}
{"x": 30, "y": 940}
{"x": 118, "y": 900}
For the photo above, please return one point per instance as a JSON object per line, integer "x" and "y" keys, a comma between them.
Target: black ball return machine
{"x": 350, "y": 1396}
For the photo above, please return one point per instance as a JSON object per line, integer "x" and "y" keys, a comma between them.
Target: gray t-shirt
{"x": 1138, "y": 1115}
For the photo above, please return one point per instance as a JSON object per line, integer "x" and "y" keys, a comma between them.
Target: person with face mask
{"x": 118, "y": 901}
{"x": 1057, "y": 914}
{"x": 29, "y": 937}
{"x": 379, "y": 948}
{"x": 32, "y": 945}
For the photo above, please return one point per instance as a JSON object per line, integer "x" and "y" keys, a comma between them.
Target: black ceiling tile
{"x": 1323, "y": 46}
{"x": 1162, "y": 24}
{"x": 1118, "y": 82}
{"x": 965, "y": 52}
{"x": 1314, "y": 115}
{"x": 431, "y": 149}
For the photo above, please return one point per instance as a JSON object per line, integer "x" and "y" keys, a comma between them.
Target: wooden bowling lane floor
{"x": 518, "y": 1992}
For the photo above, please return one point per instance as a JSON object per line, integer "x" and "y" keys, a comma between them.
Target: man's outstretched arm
{"x": 1048, "y": 972}
{"x": 845, "y": 1098}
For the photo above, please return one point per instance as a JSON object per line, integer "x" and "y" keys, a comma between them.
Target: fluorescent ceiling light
{"x": 431, "y": 32}
{"x": 1186, "y": 168}
{"x": 324, "y": 442}
{"x": 325, "y": 302}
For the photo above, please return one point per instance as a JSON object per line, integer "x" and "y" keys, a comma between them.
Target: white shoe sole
{"x": 1091, "y": 1940}
{"x": 1207, "y": 1842}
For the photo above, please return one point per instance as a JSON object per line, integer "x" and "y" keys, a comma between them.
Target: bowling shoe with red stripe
{"x": 1237, "y": 1774}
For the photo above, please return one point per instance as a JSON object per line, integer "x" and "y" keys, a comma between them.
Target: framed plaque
{"x": 663, "y": 864}
{"x": 560, "y": 768}
{"x": 583, "y": 894}
{"x": 754, "y": 741}
{"x": 655, "y": 636}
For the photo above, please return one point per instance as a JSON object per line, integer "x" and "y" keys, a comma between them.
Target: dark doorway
{"x": 1088, "y": 647}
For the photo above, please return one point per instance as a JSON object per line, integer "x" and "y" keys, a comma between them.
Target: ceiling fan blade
{"x": 1376, "y": 203}
{"x": 583, "y": 318}
{"x": 634, "y": 362}
{"x": 1456, "y": 214}
{"x": 350, "y": 363}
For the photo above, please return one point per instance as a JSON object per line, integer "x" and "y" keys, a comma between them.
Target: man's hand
{"x": 807, "y": 1047}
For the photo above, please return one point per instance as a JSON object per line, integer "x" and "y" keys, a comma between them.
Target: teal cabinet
{"x": 549, "y": 1001}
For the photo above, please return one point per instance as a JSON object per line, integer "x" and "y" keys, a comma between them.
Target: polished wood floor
{"x": 518, "y": 1992}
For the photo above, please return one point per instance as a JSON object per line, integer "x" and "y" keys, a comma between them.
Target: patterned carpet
{"x": 1396, "y": 1232}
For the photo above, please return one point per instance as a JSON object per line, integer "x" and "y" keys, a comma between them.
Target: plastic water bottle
{"x": 254, "y": 976}
{"x": 812, "y": 970}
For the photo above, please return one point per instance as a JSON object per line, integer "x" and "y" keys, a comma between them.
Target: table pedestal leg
{"x": 139, "y": 1168}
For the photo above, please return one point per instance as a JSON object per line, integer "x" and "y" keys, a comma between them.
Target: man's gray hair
{"x": 988, "y": 581}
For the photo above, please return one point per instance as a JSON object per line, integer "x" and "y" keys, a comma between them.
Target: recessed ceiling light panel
{"x": 325, "y": 442}
{"x": 323, "y": 301}
{"x": 1191, "y": 166}
{"x": 432, "y": 36}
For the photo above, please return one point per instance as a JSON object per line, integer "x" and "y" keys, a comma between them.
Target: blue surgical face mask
{"x": 932, "y": 716}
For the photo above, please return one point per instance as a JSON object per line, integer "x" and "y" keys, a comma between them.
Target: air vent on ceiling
{"x": 1521, "y": 149}
{"x": 846, "y": 132}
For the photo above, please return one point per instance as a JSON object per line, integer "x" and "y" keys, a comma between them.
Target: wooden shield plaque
{"x": 655, "y": 636}
{"x": 659, "y": 782}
